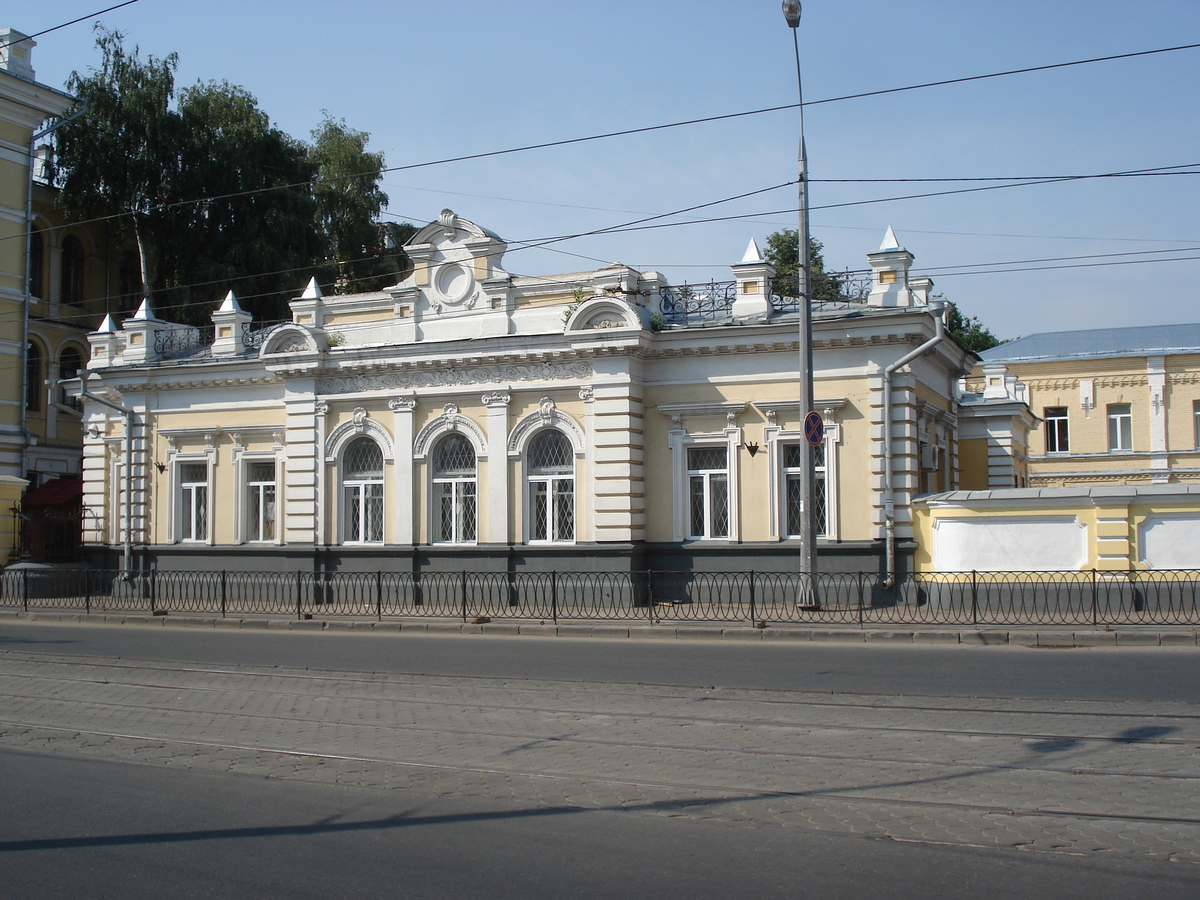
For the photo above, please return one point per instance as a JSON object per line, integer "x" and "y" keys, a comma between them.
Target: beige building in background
{"x": 469, "y": 418}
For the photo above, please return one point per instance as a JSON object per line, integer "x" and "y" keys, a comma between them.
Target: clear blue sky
{"x": 436, "y": 80}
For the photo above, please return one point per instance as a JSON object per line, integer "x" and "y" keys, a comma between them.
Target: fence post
{"x": 860, "y": 596}
{"x": 299, "y": 590}
{"x": 1094, "y": 604}
{"x": 379, "y": 595}
{"x": 753, "y": 617}
{"x": 87, "y": 590}
{"x": 650, "y": 595}
{"x": 554, "y": 597}
{"x": 462, "y": 592}
{"x": 153, "y": 588}
{"x": 223, "y": 574}
{"x": 25, "y": 589}
{"x": 974, "y": 599}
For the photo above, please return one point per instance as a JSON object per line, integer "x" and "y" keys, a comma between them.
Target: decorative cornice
{"x": 454, "y": 376}
{"x": 677, "y": 412}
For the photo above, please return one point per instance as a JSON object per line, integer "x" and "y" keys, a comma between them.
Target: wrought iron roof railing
{"x": 181, "y": 341}
{"x": 257, "y": 332}
{"x": 691, "y": 304}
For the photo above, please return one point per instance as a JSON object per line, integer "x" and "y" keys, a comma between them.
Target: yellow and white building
{"x": 468, "y": 418}
{"x": 1081, "y": 450}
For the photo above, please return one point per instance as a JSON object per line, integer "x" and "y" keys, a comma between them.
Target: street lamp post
{"x": 808, "y": 492}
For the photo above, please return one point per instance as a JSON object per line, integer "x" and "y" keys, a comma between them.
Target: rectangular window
{"x": 708, "y": 492}
{"x": 791, "y": 480}
{"x": 193, "y": 501}
{"x": 260, "y": 501}
{"x": 1120, "y": 427}
{"x": 1055, "y": 424}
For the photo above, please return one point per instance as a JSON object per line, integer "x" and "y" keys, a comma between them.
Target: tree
{"x": 349, "y": 202}
{"x": 120, "y": 159}
{"x": 968, "y": 330}
{"x": 216, "y": 197}
{"x": 251, "y": 232}
{"x": 783, "y": 250}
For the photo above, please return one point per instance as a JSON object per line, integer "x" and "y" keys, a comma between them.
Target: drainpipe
{"x": 937, "y": 309}
{"x": 127, "y": 565}
{"x": 33, "y": 140}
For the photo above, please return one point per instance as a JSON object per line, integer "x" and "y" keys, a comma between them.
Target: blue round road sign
{"x": 814, "y": 428}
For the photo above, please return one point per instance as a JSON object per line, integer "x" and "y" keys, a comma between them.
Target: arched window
{"x": 69, "y": 364}
{"x": 72, "y": 270}
{"x": 454, "y": 495}
{"x": 37, "y": 264}
{"x": 551, "y": 478}
{"x": 33, "y": 377}
{"x": 362, "y": 493}
{"x": 129, "y": 281}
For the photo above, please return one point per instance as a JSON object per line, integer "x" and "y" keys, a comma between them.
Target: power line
{"x": 65, "y": 24}
{"x": 651, "y": 128}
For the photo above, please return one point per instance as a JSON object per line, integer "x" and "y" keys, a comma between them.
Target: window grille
{"x": 708, "y": 492}
{"x": 551, "y": 488}
{"x": 261, "y": 503}
{"x": 455, "y": 491}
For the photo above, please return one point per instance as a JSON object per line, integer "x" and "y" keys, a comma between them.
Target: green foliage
{"x": 197, "y": 186}
{"x": 783, "y": 250}
{"x": 968, "y": 330}
{"x": 120, "y": 159}
{"x": 349, "y": 202}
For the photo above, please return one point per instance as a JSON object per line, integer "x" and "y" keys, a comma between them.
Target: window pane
{"x": 700, "y": 458}
{"x": 719, "y": 485}
{"x": 696, "y": 497}
{"x": 538, "y": 511}
{"x": 550, "y": 454}
{"x": 564, "y": 509}
{"x": 455, "y": 456}
{"x": 201, "y": 512}
{"x": 793, "y": 504}
{"x": 791, "y": 456}
{"x": 466, "y": 512}
{"x": 374, "y": 512}
{"x": 353, "y": 512}
{"x": 821, "y": 513}
{"x": 364, "y": 460}
{"x": 191, "y": 473}
{"x": 260, "y": 472}
{"x": 1056, "y": 429}
{"x": 268, "y": 512}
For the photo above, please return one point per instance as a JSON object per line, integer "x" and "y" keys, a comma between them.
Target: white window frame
{"x": 679, "y": 439}
{"x": 1066, "y": 430}
{"x": 705, "y": 478}
{"x": 242, "y": 458}
{"x": 1196, "y": 422}
{"x": 247, "y": 489}
{"x": 1120, "y": 427}
{"x": 774, "y": 439}
{"x": 185, "y": 509}
{"x": 360, "y": 485}
{"x": 551, "y": 482}
{"x": 457, "y": 485}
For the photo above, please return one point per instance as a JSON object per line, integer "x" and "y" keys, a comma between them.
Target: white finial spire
{"x": 753, "y": 254}
{"x": 313, "y": 291}
{"x": 889, "y": 241}
{"x": 108, "y": 326}
{"x": 144, "y": 311}
{"x": 230, "y": 304}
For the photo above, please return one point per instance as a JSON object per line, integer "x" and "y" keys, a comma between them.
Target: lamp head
{"x": 791, "y": 12}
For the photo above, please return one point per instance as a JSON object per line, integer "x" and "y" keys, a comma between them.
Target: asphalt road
{"x": 1003, "y": 671}
{"x": 138, "y": 762}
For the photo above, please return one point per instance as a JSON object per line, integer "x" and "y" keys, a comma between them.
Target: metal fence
{"x": 966, "y": 598}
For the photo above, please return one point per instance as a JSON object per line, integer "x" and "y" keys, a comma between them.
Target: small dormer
{"x": 16, "y": 51}
{"x": 889, "y": 274}
{"x": 454, "y": 260}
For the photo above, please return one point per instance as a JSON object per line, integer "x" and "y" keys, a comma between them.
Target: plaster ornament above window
{"x": 546, "y": 409}
{"x": 587, "y": 394}
{"x": 450, "y": 409}
{"x": 360, "y": 419}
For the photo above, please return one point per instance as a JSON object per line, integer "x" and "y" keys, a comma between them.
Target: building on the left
{"x": 57, "y": 281}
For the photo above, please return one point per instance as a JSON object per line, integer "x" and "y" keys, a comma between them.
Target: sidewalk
{"x": 1046, "y": 635}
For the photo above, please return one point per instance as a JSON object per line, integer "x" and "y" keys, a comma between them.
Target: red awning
{"x": 58, "y": 492}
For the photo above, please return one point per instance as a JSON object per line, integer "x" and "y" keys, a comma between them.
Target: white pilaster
{"x": 498, "y": 466}
{"x": 404, "y": 498}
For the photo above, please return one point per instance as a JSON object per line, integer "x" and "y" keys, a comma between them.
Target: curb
{"x": 1027, "y": 636}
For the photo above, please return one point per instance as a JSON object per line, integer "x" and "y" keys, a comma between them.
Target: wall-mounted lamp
{"x": 161, "y": 467}
{"x": 753, "y": 448}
